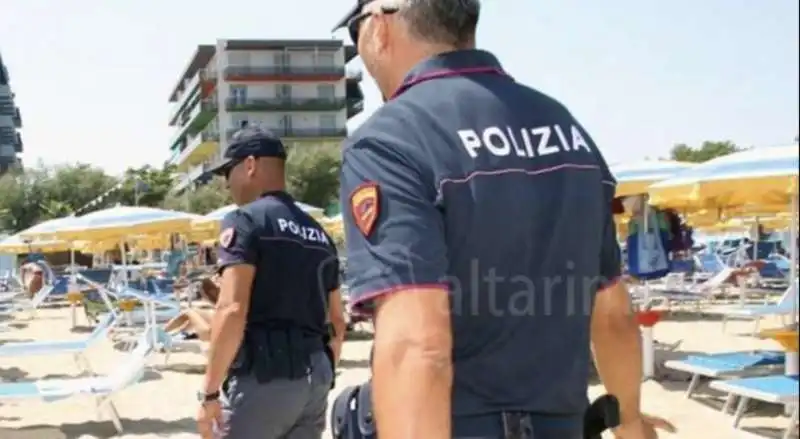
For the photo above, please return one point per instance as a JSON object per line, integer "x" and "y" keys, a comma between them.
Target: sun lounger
{"x": 77, "y": 348}
{"x": 693, "y": 293}
{"x": 102, "y": 387}
{"x": 159, "y": 300}
{"x": 727, "y": 364}
{"x": 776, "y": 389}
{"x": 783, "y": 307}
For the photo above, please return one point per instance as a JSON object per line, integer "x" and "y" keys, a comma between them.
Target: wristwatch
{"x": 207, "y": 396}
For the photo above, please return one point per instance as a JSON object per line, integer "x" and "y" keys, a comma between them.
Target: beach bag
{"x": 648, "y": 254}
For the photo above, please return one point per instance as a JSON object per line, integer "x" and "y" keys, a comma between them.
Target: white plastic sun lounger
{"x": 694, "y": 292}
{"x": 130, "y": 371}
{"x": 783, "y": 307}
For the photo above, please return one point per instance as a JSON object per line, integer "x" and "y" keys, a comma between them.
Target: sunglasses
{"x": 226, "y": 172}
{"x": 354, "y": 25}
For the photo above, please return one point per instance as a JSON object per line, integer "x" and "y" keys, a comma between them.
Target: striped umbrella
{"x": 759, "y": 176}
{"x": 635, "y": 178}
{"x": 121, "y": 221}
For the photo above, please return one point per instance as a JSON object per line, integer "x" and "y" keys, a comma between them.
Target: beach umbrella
{"x": 759, "y": 176}
{"x": 212, "y": 220}
{"x": 636, "y": 177}
{"x": 16, "y": 244}
{"x": 40, "y": 238}
{"x": 123, "y": 221}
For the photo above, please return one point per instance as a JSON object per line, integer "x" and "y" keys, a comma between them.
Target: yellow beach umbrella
{"x": 636, "y": 177}
{"x": 122, "y": 222}
{"x": 759, "y": 176}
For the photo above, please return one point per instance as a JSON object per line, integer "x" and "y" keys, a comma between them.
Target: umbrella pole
{"x": 792, "y": 360}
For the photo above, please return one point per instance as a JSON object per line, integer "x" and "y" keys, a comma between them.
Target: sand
{"x": 163, "y": 405}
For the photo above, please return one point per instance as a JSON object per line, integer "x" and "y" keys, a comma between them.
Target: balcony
{"x": 18, "y": 146}
{"x": 278, "y": 73}
{"x": 7, "y": 152}
{"x": 6, "y": 105}
{"x": 8, "y": 135}
{"x": 186, "y": 98}
{"x": 17, "y": 118}
{"x": 195, "y": 120}
{"x": 286, "y": 104}
{"x": 304, "y": 133}
{"x": 196, "y": 149}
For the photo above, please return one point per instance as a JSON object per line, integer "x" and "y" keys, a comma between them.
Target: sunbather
{"x": 193, "y": 322}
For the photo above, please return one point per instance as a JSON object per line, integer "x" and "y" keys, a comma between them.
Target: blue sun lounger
{"x": 776, "y": 389}
{"x": 726, "y": 364}
{"x": 102, "y": 388}
{"x": 77, "y": 348}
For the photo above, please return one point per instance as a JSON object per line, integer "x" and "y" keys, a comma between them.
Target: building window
{"x": 238, "y": 93}
{"x": 283, "y": 91}
{"x": 239, "y": 58}
{"x": 325, "y": 60}
{"x": 326, "y": 91}
{"x": 327, "y": 122}
{"x": 282, "y": 59}
{"x": 239, "y": 121}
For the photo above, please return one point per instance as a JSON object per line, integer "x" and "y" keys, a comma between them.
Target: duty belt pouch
{"x": 299, "y": 354}
{"x": 284, "y": 355}
{"x": 243, "y": 362}
{"x": 263, "y": 359}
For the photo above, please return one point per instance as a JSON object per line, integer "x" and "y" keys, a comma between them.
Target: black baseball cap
{"x": 352, "y": 13}
{"x": 472, "y": 6}
{"x": 249, "y": 141}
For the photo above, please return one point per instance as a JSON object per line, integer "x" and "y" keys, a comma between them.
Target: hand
{"x": 208, "y": 417}
{"x": 644, "y": 427}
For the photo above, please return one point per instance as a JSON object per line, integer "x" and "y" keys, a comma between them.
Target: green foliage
{"x": 24, "y": 195}
{"x": 146, "y": 186}
{"x": 202, "y": 200}
{"x": 41, "y": 193}
{"x": 705, "y": 152}
{"x": 312, "y": 174}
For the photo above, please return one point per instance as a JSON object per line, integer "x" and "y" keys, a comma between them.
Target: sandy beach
{"x": 163, "y": 405}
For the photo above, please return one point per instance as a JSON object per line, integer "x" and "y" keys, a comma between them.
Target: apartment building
{"x": 10, "y": 123}
{"x": 300, "y": 89}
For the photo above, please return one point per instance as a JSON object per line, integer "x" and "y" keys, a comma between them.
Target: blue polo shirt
{"x": 468, "y": 179}
{"x": 295, "y": 260}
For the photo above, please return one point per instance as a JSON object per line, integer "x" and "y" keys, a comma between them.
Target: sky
{"x": 92, "y": 77}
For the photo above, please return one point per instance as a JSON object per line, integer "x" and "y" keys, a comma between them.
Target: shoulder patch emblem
{"x": 365, "y": 206}
{"x": 226, "y": 237}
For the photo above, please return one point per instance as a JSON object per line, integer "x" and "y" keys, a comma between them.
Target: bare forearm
{"x": 339, "y": 329}
{"x": 412, "y": 393}
{"x": 618, "y": 355}
{"x": 227, "y": 331}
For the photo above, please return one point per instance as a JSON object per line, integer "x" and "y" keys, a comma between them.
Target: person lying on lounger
{"x": 195, "y": 323}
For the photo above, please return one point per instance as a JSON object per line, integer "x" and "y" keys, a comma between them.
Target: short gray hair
{"x": 442, "y": 21}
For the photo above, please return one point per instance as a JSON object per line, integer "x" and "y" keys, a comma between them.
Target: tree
{"x": 70, "y": 187}
{"x": 202, "y": 200}
{"x": 707, "y": 151}
{"x": 23, "y": 194}
{"x": 146, "y": 186}
{"x": 312, "y": 174}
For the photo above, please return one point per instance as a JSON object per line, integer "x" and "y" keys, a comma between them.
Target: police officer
{"x": 269, "y": 369}
{"x": 479, "y": 230}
